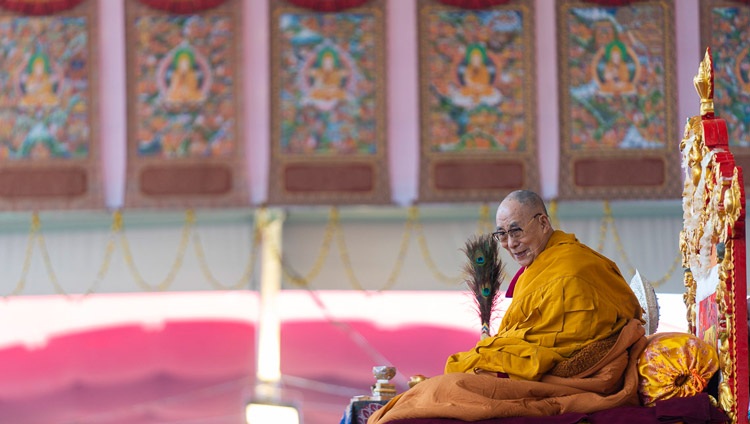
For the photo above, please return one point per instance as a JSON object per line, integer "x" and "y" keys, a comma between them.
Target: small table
{"x": 360, "y": 408}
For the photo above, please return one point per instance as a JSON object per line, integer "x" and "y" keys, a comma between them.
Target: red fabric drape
{"x": 473, "y": 4}
{"x": 612, "y": 3}
{"x": 183, "y": 7}
{"x": 327, "y": 5}
{"x": 38, "y": 7}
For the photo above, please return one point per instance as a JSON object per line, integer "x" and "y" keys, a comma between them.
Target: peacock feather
{"x": 484, "y": 271}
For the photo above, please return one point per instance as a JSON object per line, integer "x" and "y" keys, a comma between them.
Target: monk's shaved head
{"x": 529, "y": 200}
{"x": 523, "y": 226}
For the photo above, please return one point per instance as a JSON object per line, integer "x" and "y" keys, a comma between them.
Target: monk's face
{"x": 526, "y": 231}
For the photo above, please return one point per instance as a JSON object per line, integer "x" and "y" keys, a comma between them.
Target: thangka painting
{"x": 328, "y": 105}
{"x": 185, "y": 143}
{"x": 476, "y": 71}
{"x": 617, "y": 100}
{"x": 49, "y": 141}
{"x": 725, "y": 28}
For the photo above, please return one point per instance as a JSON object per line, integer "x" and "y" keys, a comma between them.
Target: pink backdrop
{"x": 189, "y": 358}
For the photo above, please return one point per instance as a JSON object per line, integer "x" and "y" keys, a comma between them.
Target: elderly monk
{"x": 567, "y": 342}
{"x": 566, "y": 296}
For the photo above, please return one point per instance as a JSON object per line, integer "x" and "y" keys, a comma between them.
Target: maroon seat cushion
{"x": 691, "y": 410}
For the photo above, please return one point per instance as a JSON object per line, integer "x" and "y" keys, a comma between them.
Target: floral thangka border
{"x": 617, "y": 101}
{"x": 477, "y": 101}
{"x": 49, "y": 137}
{"x": 725, "y": 28}
{"x": 185, "y": 139}
{"x": 328, "y": 106}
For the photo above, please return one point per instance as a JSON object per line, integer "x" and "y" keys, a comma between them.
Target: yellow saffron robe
{"x": 568, "y": 297}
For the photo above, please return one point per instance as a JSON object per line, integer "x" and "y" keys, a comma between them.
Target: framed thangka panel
{"x": 617, "y": 101}
{"x": 477, "y": 108}
{"x": 185, "y": 144}
{"x": 49, "y": 141}
{"x": 328, "y": 105}
{"x": 725, "y": 28}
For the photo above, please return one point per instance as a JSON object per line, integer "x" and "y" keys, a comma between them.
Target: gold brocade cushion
{"x": 585, "y": 358}
{"x": 674, "y": 365}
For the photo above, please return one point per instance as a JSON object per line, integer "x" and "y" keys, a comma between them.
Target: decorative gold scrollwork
{"x": 712, "y": 206}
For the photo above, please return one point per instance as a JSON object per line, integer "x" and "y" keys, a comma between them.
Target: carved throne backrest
{"x": 712, "y": 243}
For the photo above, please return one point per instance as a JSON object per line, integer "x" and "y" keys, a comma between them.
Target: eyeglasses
{"x": 515, "y": 233}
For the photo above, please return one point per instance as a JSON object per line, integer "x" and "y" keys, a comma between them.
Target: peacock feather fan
{"x": 484, "y": 274}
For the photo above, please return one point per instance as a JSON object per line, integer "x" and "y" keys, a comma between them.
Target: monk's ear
{"x": 545, "y": 221}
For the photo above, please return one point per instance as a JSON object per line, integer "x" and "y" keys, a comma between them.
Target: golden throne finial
{"x": 704, "y": 84}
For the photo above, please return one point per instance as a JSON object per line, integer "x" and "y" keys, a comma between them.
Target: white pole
{"x": 268, "y": 372}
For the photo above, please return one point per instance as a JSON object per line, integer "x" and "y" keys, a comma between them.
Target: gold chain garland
{"x": 117, "y": 234}
{"x": 290, "y": 274}
{"x": 325, "y": 249}
{"x": 344, "y": 255}
{"x": 412, "y": 227}
{"x": 247, "y": 274}
{"x": 485, "y": 224}
{"x": 609, "y": 221}
{"x": 668, "y": 275}
{"x": 35, "y": 236}
{"x": 176, "y": 264}
{"x": 334, "y": 228}
{"x": 401, "y": 255}
{"x": 431, "y": 265}
{"x": 552, "y": 210}
{"x": 47, "y": 262}
{"x": 21, "y": 284}
{"x": 109, "y": 250}
{"x": 603, "y": 229}
{"x": 244, "y": 280}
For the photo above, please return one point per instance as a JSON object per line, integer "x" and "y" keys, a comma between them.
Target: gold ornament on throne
{"x": 704, "y": 84}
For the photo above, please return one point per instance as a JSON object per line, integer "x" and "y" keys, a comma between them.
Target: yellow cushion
{"x": 675, "y": 365}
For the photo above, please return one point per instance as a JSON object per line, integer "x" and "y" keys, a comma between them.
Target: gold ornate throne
{"x": 712, "y": 243}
